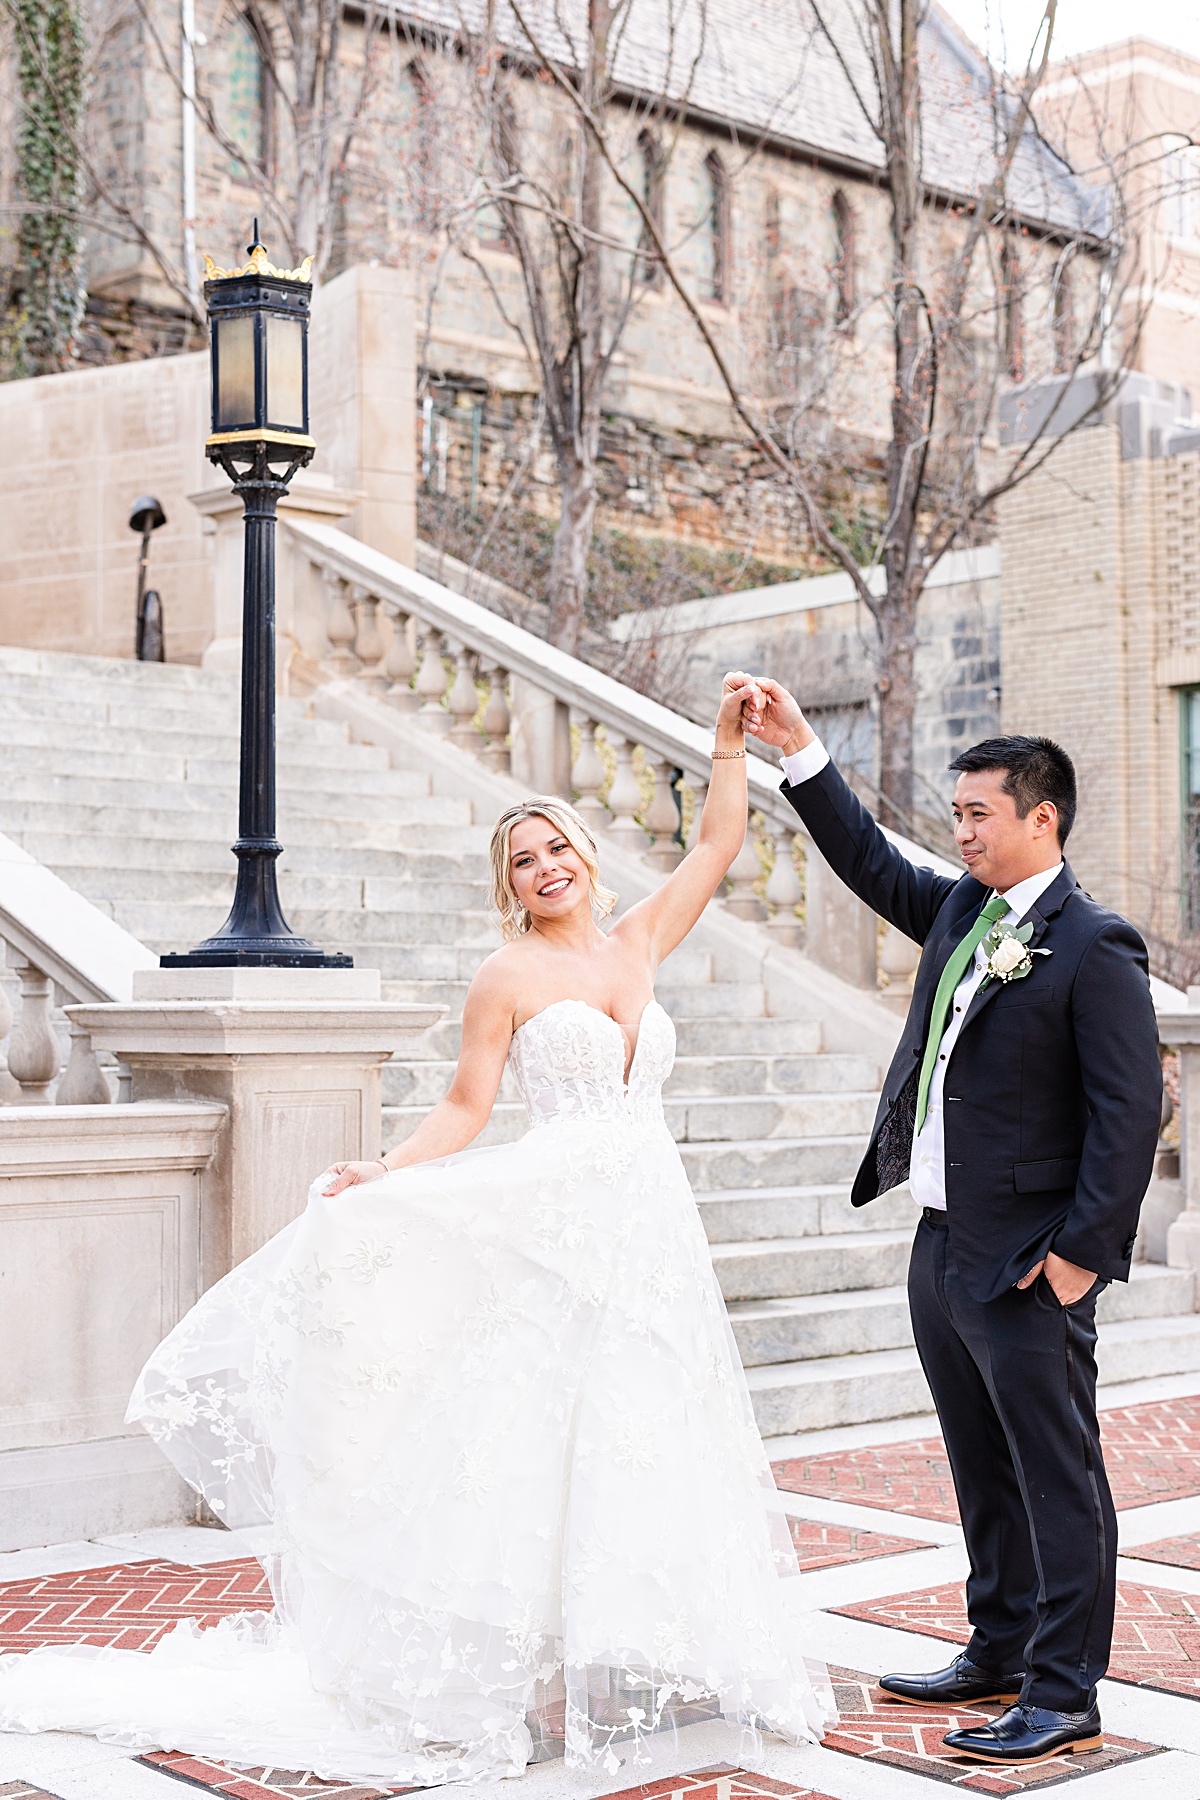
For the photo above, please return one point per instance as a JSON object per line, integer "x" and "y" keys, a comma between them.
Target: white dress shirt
{"x": 927, "y": 1175}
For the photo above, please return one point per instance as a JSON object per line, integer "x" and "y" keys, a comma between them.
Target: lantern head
{"x": 258, "y": 327}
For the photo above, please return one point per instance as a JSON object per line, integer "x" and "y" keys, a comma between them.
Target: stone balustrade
{"x": 635, "y": 769}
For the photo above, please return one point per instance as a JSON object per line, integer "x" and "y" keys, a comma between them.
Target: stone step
{"x": 372, "y": 929}
{"x": 747, "y": 1037}
{"x": 425, "y": 822}
{"x": 736, "y": 1117}
{"x": 758, "y": 1075}
{"x": 744, "y": 1215}
{"x": 804, "y": 1327}
{"x": 124, "y": 749}
{"x": 94, "y": 851}
{"x": 773, "y": 1162}
{"x": 837, "y": 1390}
{"x": 780, "y": 1268}
{"x": 712, "y": 999}
{"x": 1152, "y": 1291}
{"x": 1138, "y": 1349}
{"x": 53, "y": 666}
{"x": 158, "y": 714}
{"x": 365, "y": 794}
{"x": 422, "y": 1084}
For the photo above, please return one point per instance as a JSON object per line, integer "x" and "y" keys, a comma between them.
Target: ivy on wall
{"x": 46, "y": 310}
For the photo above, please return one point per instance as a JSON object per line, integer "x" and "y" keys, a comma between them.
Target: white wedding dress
{"x": 494, "y": 1413}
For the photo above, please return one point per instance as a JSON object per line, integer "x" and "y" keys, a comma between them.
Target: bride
{"x": 487, "y": 1402}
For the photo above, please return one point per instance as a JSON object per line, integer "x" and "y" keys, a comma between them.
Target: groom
{"x": 1022, "y": 1106}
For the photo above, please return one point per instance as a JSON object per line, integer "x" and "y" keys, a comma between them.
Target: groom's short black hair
{"x": 1036, "y": 769}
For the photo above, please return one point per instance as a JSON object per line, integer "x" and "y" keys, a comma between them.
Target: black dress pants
{"x": 1014, "y": 1383}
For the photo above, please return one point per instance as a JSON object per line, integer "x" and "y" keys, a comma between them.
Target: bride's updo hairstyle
{"x": 514, "y": 919}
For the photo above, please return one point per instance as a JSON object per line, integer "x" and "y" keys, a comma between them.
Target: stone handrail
{"x": 567, "y": 728}
{"x": 56, "y": 938}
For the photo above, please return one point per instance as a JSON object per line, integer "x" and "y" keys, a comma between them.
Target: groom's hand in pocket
{"x": 1069, "y": 1281}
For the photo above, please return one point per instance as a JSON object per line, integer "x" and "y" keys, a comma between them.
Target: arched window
{"x": 248, "y": 112}
{"x": 774, "y": 224}
{"x": 712, "y": 253}
{"x": 1064, "y": 317}
{"x": 650, "y": 158}
{"x": 1010, "y": 302}
{"x": 843, "y": 258}
{"x": 422, "y": 148}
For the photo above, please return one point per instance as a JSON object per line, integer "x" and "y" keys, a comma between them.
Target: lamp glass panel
{"x": 285, "y": 372}
{"x": 234, "y": 399}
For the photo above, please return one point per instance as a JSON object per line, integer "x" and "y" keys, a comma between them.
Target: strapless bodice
{"x": 569, "y": 1063}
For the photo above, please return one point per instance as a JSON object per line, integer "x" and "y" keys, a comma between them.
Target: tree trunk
{"x": 897, "y": 709}
{"x": 569, "y": 563}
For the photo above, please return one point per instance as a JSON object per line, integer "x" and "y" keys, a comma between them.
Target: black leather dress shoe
{"x": 959, "y": 1685}
{"x": 1028, "y": 1734}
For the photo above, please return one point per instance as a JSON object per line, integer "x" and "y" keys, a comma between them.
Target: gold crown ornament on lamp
{"x": 258, "y": 319}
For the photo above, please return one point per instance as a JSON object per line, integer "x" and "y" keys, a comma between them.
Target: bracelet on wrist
{"x": 382, "y": 1164}
{"x": 726, "y": 755}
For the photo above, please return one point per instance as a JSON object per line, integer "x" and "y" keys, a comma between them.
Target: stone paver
{"x": 1181, "y": 1552}
{"x": 910, "y": 1737}
{"x": 21, "y": 1790}
{"x": 823, "y": 1546}
{"x": 1151, "y": 1452}
{"x": 127, "y": 1606}
{"x": 1156, "y": 1637}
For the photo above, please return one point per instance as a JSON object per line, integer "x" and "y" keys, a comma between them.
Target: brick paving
{"x": 720, "y": 1783}
{"x": 910, "y": 1737}
{"x": 1151, "y": 1452}
{"x": 21, "y": 1790}
{"x": 823, "y": 1546}
{"x": 1156, "y": 1637}
{"x": 1181, "y": 1552}
{"x": 257, "y": 1784}
{"x": 128, "y": 1606}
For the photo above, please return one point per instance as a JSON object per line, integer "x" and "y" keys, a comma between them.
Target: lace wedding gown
{"x": 493, "y": 1411}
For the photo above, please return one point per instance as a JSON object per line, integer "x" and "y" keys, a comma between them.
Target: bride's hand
{"x": 339, "y": 1176}
{"x": 741, "y": 701}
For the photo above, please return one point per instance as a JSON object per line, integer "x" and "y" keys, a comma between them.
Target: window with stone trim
{"x": 1010, "y": 301}
{"x": 248, "y": 114}
{"x": 1189, "y": 784}
{"x": 649, "y": 270}
{"x": 712, "y": 237}
{"x": 845, "y": 295}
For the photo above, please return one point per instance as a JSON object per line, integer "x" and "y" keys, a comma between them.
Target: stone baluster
{"x": 625, "y": 798}
{"x": 840, "y": 932}
{"x": 83, "y": 1082}
{"x": 10, "y": 1088}
{"x": 496, "y": 719}
{"x": 431, "y": 682}
{"x": 587, "y": 778}
{"x": 898, "y": 959}
{"x": 699, "y": 790}
{"x": 399, "y": 665}
{"x": 662, "y": 818}
{"x": 785, "y": 890}
{"x": 746, "y": 869}
{"x": 369, "y": 646}
{"x": 34, "y": 1058}
{"x": 340, "y": 627}
{"x": 463, "y": 701}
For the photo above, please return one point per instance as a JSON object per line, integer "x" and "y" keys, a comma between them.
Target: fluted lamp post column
{"x": 258, "y": 330}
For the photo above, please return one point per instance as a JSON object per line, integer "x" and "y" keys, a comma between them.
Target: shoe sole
{"x": 1026, "y": 1762}
{"x": 975, "y": 1700}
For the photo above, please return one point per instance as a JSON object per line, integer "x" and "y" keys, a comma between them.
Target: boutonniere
{"x": 1009, "y": 957}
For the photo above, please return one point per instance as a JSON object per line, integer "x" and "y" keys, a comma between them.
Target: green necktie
{"x": 952, "y": 974}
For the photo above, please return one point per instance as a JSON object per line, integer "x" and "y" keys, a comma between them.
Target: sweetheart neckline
{"x": 600, "y": 1012}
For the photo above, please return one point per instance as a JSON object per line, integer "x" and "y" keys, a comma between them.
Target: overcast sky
{"x": 1007, "y": 27}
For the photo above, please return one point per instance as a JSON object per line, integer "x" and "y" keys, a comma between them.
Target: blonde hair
{"x": 514, "y": 918}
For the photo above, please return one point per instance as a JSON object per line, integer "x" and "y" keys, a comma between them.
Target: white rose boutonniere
{"x": 1009, "y": 957}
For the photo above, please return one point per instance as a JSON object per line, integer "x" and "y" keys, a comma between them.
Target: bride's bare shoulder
{"x": 500, "y": 979}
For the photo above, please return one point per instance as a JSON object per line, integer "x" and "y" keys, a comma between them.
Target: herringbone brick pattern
{"x": 822, "y": 1546}
{"x": 1151, "y": 1452}
{"x": 258, "y": 1784}
{"x": 910, "y": 1737}
{"x": 720, "y": 1783}
{"x": 127, "y": 1607}
{"x": 1156, "y": 1638}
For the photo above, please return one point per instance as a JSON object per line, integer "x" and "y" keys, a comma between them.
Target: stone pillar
{"x": 299, "y": 604}
{"x": 294, "y": 1054}
{"x": 840, "y": 932}
{"x": 1182, "y": 1030}
{"x": 540, "y": 736}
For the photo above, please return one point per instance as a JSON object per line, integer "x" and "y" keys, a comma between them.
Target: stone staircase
{"x": 123, "y": 779}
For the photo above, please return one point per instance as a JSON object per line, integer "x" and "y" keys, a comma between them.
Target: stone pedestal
{"x": 294, "y": 1054}
{"x": 1182, "y": 1031}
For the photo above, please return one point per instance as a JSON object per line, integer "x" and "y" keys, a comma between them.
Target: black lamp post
{"x": 258, "y": 317}
{"x": 146, "y": 515}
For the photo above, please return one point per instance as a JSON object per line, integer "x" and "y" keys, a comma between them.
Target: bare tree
{"x": 581, "y": 278}
{"x": 953, "y": 302}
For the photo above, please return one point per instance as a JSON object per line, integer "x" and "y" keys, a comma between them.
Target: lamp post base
{"x": 290, "y": 953}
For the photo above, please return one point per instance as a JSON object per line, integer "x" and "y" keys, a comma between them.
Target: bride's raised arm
{"x": 665, "y": 917}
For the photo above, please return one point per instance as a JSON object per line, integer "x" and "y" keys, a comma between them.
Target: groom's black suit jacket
{"x": 1054, "y": 1088}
